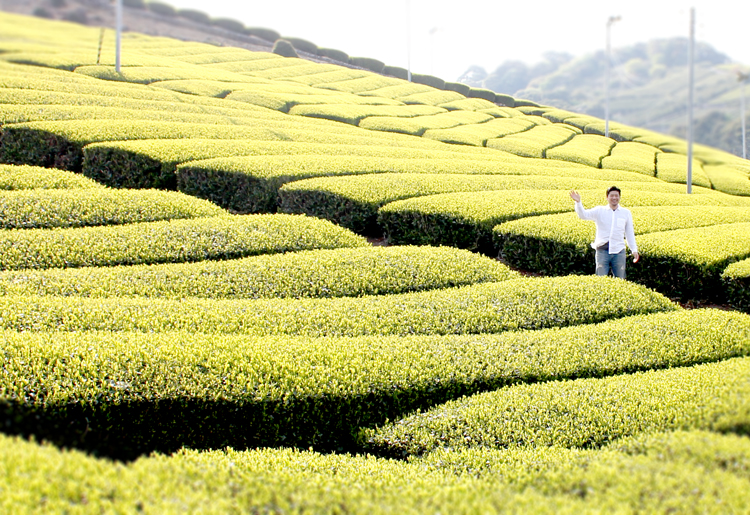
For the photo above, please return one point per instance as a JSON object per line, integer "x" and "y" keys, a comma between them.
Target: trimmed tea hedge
{"x": 43, "y": 477}
{"x": 688, "y": 263}
{"x": 581, "y": 413}
{"x": 490, "y": 307}
{"x": 325, "y": 388}
{"x": 636, "y": 157}
{"x": 224, "y": 237}
{"x": 466, "y": 219}
{"x": 736, "y": 279}
{"x": 534, "y": 142}
{"x": 315, "y": 273}
{"x": 353, "y": 201}
{"x": 673, "y": 168}
{"x": 728, "y": 179}
{"x": 560, "y": 244}
{"x": 587, "y": 149}
{"x": 81, "y": 207}
{"x": 24, "y": 177}
{"x": 479, "y": 133}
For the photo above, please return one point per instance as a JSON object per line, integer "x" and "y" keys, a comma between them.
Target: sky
{"x": 444, "y": 38}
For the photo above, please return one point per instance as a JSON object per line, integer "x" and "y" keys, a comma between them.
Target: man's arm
{"x": 584, "y": 214}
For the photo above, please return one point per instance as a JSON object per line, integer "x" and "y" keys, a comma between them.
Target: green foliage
{"x": 396, "y": 71}
{"x": 673, "y": 168}
{"x": 284, "y": 48}
{"x": 229, "y": 24}
{"x": 368, "y": 63}
{"x": 81, "y": 207}
{"x": 428, "y": 80}
{"x": 560, "y": 244}
{"x": 303, "y": 45}
{"x": 160, "y": 8}
{"x": 466, "y": 219}
{"x": 194, "y": 15}
{"x": 336, "y": 55}
{"x": 582, "y": 413}
{"x": 688, "y": 263}
{"x": 736, "y": 280}
{"x": 353, "y": 201}
{"x": 263, "y": 33}
{"x": 637, "y": 157}
{"x": 481, "y": 308}
{"x": 13, "y": 178}
{"x": 587, "y": 149}
{"x": 485, "y": 94}
{"x": 535, "y": 141}
{"x": 316, "y": 273}
{"x": 480, "y": 134}
{"x": 728, "y": 179}
{"x": 328, "y": 386}
{"x": 458, "y": 87}
{"x": 225, "y": 237}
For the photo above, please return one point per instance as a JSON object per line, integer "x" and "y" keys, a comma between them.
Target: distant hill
{"x": 648, "y": 88}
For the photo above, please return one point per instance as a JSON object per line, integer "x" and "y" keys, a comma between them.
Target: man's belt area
{"x": 603, "y": 246}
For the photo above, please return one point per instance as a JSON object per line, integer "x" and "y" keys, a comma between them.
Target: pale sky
{"x": 449, "y": 36}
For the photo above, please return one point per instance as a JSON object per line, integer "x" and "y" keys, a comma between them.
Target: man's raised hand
{"x": 575, "y": 195}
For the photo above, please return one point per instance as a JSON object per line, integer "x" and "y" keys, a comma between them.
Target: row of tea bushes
{"x": 534, "y": 142}
{"x": 314, "y": 391}
{"x": 45, "y": 142}
{"x": 197, "y": 239}
{"x": 316, "y": 273}
{"x": 353, "y": 201}
{"x": 146, "y": 163}
{"x": 418, "y": 125}
{"x": 633, "y": 156}
{"x": 688, "y": 263}
{"x": 673, "y": 168}
{"x": 581, "y": 413}
{"x": 466, "y": 219}
{"x": 587, "y": 149}
{"x": 530, "y": 303}
{"x": 636, "y": 478}
{"x": 560, "y": 244}
{"x": 523, "y": 466}
{"x": 736, "y": 279}
{"x": 478, "y": 134}
{"x": 81, "y": 207}
{"x": 25, "y": 177}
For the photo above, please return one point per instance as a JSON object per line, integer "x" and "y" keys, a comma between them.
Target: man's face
{"x": 614, "y": 199}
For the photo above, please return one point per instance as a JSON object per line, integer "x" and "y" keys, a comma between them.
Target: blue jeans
{"x": 606, "y": 261}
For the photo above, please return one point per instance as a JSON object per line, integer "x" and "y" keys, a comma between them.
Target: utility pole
{"x": 408, "y": 40}
{"x": 691, "y": 87}
{"x": 610, "y": 22}
{"x": 742, "y": 78}
{"x": 118, "y": 22}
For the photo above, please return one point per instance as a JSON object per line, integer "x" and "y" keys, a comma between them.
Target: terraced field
{"x": 193, "y": 318}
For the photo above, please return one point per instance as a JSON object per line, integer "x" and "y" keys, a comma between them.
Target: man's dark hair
{"x": 613, "y": 188}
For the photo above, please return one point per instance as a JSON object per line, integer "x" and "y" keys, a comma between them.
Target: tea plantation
{"x": 194, "y": 317}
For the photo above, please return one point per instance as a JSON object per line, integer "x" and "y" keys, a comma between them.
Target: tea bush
{"x": 81, "y": 207}
{"x": 482, "y": 308}
{"x": 582, "y": 413}
{"x": 224, "y": 237}
{"x": 315, "y": 273}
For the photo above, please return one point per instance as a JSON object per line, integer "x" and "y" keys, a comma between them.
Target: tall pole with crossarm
{"x": 610, "y": 22}
{"x": 691, "y": 89}
{"x": 118, "y": 22}
{"x": 742, "y": 77}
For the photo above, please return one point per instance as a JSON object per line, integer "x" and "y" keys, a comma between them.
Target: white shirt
{"x": 613, "y": 226}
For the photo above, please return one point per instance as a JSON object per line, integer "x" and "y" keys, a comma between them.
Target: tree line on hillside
{"x": 648, "y": 87}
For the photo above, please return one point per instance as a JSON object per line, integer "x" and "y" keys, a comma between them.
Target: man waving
{"x": 614, "y": 225}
